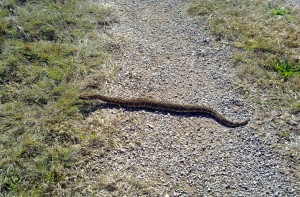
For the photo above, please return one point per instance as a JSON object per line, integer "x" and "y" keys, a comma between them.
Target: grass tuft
{"x": 286, "y": 69}
{"x": 280, "y": 11}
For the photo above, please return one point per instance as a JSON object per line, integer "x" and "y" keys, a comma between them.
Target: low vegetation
{"x": 267, "y": 36}
{"x": 266, "y": 42}
{"x": 47, "y": 50}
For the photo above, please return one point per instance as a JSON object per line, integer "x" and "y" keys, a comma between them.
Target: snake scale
{"x": 166, "y": 106}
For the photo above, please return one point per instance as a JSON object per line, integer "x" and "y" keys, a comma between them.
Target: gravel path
{"x": 293, "y": 2}
{"x": 171, "y": 56}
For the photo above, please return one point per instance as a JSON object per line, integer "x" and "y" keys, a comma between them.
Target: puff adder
{"x": 166, "y": 106}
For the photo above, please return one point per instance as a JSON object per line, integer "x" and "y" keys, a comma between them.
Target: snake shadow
{"x": 95, "y": 107}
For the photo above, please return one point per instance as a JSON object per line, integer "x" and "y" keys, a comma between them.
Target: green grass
{"x": 280, "y": 11}
{"x": 44, "y": 63}
{"x": 266, "y": 34}
{"x": 286, "y": 69}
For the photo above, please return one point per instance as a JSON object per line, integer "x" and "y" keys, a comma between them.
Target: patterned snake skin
{"x": 163, "y": 105}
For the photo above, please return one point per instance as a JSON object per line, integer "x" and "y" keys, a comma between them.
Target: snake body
{"x": 163, "y": 105}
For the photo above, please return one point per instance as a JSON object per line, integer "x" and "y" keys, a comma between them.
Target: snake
{"x": 165, "y": 106}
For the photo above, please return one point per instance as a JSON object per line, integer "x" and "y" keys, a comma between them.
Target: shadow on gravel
{"x": 90, "y": 107}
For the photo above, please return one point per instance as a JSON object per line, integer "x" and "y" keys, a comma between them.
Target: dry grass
{"x": 48, "y": 50}
{"x": 266, "y": 38}
{"x": 92, "y": 175}
{"x": 266, "y": 34}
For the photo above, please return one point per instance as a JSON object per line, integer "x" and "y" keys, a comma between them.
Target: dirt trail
{"x": 171, "y": 56}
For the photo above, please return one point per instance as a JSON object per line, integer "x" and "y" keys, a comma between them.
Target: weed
{"x": 286, "y": 69}
{"x": 280, "y": 11}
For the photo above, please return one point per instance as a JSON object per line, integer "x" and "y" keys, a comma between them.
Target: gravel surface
{"x": 293, "y": 2}
{"x": 169, "y": 56}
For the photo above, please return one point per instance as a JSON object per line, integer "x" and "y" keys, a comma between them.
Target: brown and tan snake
{"x": 166, "y": 106}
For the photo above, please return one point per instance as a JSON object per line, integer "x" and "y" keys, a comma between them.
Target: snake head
{"x": 84, "y": 97}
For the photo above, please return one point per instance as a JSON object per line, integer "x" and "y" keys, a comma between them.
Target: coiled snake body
{"x": 163, "y": 105}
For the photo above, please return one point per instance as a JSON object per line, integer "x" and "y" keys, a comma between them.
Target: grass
{"x": 286, "y": 69}
{"x": 267, "y": 36}
{"x": 280, "y": 11}
{"x": 266, "y": 42}
{"x": 48, "y": 49}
